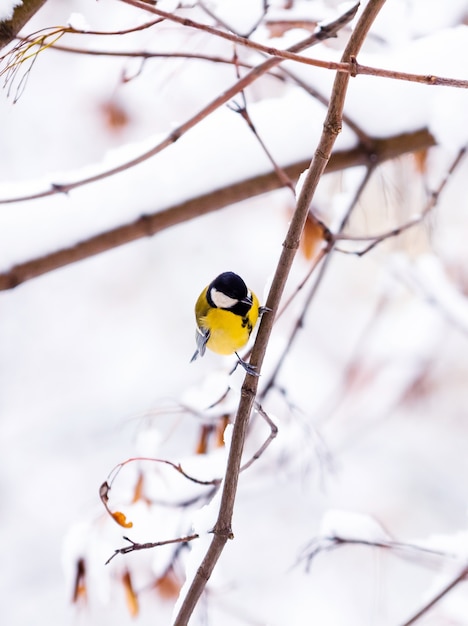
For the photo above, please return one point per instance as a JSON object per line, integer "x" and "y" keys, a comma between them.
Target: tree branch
{"x": 332, "y": 126}
{"x": 22, "y": 14}
{"x": 461, "y": 576}
{"x": 148, "y": 225}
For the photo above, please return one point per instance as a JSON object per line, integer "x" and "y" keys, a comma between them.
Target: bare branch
{"x": 177, "y": 466}
{"x": 332, "y": 126}
{"x": 243, "y": 112}
{"x": 442, "y": 593}
{"x": 147, "y": 546}
{"x": 406, "y": 549}
{"x": 149, "y": 225}
{"x": 267, "y": 442}
{"x": 327, "y": 543}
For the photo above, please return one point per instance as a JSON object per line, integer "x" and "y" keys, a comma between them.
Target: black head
{"x": 231, "y": 285}
{"x": 228, "y": 291}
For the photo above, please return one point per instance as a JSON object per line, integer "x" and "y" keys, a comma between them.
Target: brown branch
{"x": 332, "y": 126}
{"x": 149, "y": 545}
{"x": 149, "y": 225}
{"x": 423, "y": 79}
{"x": 268, "y": 440}
{"x": 144, "y": 54}
{"x": 22, "y": 14}
{"x": 442, "y": 593}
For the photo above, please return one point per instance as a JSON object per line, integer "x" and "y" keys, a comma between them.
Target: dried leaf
{"x": 130, "y": 594}
{"x": 202, "y": 446}
{"x": 115, "y": 116}
{"x": 420, "y": 160}
{"x": 169, "y": 585}
{"x": 312, "y": 237}
{"x": 220, "y": 428}
{"x": 121, "y": 519}
{"x": 79, "y": 588}
{"x": 138, "y": 491}
{"x": 277, "y": 28}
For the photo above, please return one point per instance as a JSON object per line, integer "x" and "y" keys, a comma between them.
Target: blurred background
{"x": 370, "y": 394}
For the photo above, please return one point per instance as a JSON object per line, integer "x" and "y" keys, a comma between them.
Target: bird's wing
{"x": 201, "y": 337}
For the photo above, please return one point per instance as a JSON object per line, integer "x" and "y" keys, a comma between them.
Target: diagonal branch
{"x": 460, "y": 577}
{"x": 332, "y": 126}
{"x": 149, "y": 225}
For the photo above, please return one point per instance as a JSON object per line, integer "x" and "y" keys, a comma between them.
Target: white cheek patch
{"x": 221, "y": 300}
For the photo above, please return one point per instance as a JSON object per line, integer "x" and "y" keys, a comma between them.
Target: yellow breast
{"x": 228, "y": 332}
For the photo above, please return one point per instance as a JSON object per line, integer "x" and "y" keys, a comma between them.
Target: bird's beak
{"x": 247, "y": 300}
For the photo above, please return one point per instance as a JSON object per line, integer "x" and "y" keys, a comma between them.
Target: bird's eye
{"x": 247, "y": 299}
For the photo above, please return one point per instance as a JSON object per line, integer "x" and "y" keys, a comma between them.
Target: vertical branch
{"x": 332, "y": 126}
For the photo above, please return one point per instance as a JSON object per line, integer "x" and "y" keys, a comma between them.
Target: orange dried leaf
{"x": 420, "y": 160}
{"x": 277, "y": 28}
{"x": 202, "y": 445}
{"x": 121, "y": 519}
{"x": 169, "y": 585}
{"x": 138, "y": 491}
{"x": 114, "y": 115}
{"x": 312, "y": 237}
{"x": 220, "y": 428}
{"x": 130, "y": 594}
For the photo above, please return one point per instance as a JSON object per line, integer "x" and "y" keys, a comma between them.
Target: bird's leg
{"x": 250, "y": 369}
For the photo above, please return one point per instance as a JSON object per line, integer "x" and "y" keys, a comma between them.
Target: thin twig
{"x": 149, "y": 545}
{"x": 442, "y": 593}
{"x": 146, "y": 54}
{"x": 242, "y": 110}
{"x": 267, "y": 442}
{"x": 177, "y": 466}
{"x": 327, "y": 543}
{"x": 332, "y": 126}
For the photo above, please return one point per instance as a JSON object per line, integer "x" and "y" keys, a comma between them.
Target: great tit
{"x": 226, "y": 313}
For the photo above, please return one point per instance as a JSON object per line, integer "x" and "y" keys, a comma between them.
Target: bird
{"x": 226, "y": 312}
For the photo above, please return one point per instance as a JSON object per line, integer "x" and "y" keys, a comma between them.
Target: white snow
{"x": 7, "y": 9}
{"x": 352, "y": 526}
{"x": 370, "y": 400}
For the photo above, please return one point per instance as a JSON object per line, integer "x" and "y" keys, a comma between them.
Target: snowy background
{"x": 371, "y": 401}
